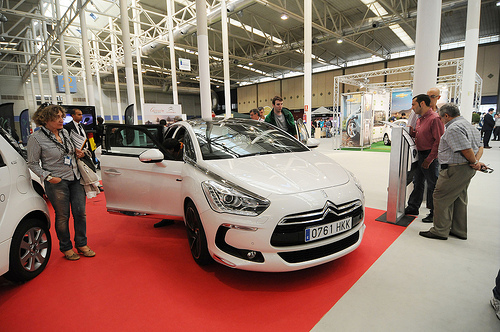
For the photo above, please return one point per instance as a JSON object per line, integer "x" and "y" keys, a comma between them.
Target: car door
{"x": 135, "y": 186}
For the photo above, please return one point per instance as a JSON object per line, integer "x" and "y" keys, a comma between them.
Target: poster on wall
{"x": 380, "y": 113}
{"x": 351, "y": 115}
{"x": 401, "y": 101}
{"x": 153, "y": 113}
{"x": 367, "y": 118}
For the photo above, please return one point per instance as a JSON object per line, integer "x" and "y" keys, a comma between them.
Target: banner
{"x": 153, "y": 113}
{"x": 129, "y": 114}
{"x": 60, "y": 84}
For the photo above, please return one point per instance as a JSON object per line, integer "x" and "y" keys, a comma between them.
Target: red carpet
{"x": 145, "y": 278}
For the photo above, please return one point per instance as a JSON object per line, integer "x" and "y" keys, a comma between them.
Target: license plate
{"x": 319, "y": 232}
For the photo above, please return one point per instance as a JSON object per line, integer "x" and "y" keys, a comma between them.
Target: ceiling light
{"x": 339, "y": 41}
{"x": 284, "y": 16}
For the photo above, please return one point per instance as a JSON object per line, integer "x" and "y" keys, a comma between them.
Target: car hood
{"x": 284, "y": 173}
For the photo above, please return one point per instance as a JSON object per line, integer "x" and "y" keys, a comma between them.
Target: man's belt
{"x": 445, "y": 166}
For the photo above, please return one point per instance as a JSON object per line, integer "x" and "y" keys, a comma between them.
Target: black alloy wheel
{"x": 196, "y": 235}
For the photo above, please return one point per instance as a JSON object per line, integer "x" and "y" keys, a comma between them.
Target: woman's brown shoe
{"x": 71, "y": 255}
{"x": 87, "y": 253}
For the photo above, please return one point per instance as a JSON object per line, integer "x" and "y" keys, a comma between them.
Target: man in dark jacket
{"x": 488, "y": 125}
{"x": 281, "y": 117}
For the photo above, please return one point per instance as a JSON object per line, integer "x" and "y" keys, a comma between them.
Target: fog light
{"x": 251, "y": 254}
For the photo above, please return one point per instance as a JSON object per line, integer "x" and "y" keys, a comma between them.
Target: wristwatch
{"x": 49, "y": 177}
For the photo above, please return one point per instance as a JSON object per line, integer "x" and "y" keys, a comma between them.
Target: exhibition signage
{"x": 60, "y": 84}
{"x": 185, "y": 64}
{"x": 401, "y": 101}
{"x": 153, "y": 113}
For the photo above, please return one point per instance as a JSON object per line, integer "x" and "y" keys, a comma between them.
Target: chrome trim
{"x": 328, "y": 208}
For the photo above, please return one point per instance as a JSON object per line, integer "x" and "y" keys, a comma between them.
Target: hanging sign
{"x": 60, "y": 84}
{"x": 184, "y": 64}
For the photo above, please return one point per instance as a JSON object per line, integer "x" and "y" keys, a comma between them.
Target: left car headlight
{"x": 224, "y": 198}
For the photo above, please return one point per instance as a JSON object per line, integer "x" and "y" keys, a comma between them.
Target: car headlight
{"x": 356, "y": 181}
{"x": 224, "y": 198}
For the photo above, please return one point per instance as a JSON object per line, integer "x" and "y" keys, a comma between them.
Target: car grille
{"x": 290, "y": 231}
{"x": 314, "y": 253}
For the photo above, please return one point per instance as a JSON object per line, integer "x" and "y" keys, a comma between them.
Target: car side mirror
{"x": 151, "y": 156}
{"x": 312, "y": 143}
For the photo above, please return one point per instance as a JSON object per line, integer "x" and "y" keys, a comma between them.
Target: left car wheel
{"x": 196, "y": 235}
{"x": 29, "y": 251}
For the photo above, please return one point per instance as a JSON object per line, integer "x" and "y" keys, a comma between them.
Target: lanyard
{"x": 58, "y": 144}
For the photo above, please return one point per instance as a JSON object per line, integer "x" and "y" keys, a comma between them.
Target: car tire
{"x": 352, "y": 128}
{"x": 387, "y": 141}
{"x": 196, "y": 235}
{"x": 29, "y": 250}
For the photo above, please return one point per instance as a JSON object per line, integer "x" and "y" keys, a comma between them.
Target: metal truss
{"x": 454, "y": 81}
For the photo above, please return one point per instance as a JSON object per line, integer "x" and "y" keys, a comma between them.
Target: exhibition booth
{"x": 364, "y": 114}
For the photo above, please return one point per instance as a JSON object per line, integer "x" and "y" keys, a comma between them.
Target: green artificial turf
{"x": 377, "y": 146}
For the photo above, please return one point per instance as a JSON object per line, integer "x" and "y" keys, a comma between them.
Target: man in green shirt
{"x": 281, "y": 117}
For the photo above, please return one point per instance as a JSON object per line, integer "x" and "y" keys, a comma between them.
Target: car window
{"x": 129, "y": 140}
{"x": 237, "y": 139}
{"x": 19, "y": 148}
{"x": 2, "y": 164}
{"x": 189, "y": 148}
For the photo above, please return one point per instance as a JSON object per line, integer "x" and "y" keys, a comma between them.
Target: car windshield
{"x": 240, "y": 138}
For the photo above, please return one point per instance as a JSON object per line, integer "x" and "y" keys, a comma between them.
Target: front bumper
{"x": 275, "y": 240}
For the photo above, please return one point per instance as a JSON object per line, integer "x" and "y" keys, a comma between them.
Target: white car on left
{"x": 25, "y": 241}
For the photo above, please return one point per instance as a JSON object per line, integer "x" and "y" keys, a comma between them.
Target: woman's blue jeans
{"x": 64, "y": 195}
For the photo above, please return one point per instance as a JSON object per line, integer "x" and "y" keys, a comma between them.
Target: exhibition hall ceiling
{"x": 266, "y": 37}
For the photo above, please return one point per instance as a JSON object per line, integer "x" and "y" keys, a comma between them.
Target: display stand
{"x": 402, "y": 146}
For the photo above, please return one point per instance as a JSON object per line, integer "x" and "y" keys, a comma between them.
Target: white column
{"x": 32, "y": 83}
{"x": 62, "y": 50}
{"x": 34, "y": 50}
{"x": 115, "y": 71}
{"x": 86, "y": 55}
{"x": 52, "y": 84}
{"x": 308, "y": 62}
{"x": 98, "y": 75}
{"x": 127, "y": 53}
{"x": 138, "y": 55}
{"x": 427, "y": 45}
{"x": 171, "y": 44}
{"x": 470, "y": 58}
{"x": 203, "y": 63}
{"x": 225, "y": 52}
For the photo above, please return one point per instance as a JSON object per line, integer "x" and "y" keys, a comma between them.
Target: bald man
{"x": 434, "y": 94}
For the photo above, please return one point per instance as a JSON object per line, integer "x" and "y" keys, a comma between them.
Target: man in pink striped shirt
{"x": 427, "y": 134}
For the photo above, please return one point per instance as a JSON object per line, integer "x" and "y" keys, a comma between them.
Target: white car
{"x": 25, "y": 242}
{"x": 387, "y": 134}
{"x": 251, "y": 196}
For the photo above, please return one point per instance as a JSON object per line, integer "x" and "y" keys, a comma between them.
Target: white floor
{"x": 421, "y": 284}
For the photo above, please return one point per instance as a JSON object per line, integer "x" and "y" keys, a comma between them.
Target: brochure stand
{"x": 402, "y": 145}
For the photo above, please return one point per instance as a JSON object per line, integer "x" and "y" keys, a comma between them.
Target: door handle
{"x": 112, "y": 171}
